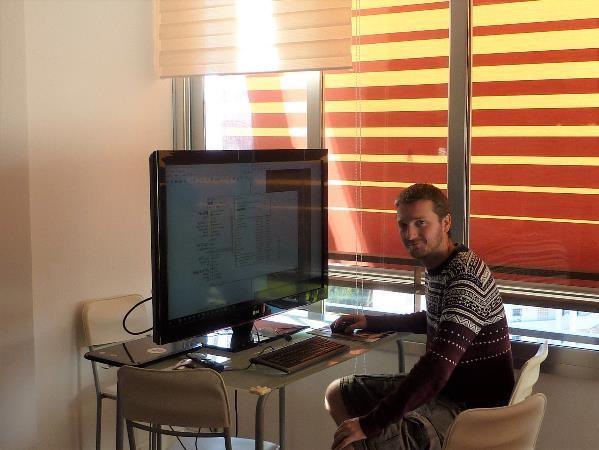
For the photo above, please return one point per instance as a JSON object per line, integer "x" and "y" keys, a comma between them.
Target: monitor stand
{"x": 248, "y": 335}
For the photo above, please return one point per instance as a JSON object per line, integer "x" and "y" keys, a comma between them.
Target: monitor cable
{"x": 236, "y": 416}
{"x": 269, "y": 347}
{"x": 135, "y": 333}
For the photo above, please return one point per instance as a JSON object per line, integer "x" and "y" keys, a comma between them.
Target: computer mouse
{"x": 339, "y": 326}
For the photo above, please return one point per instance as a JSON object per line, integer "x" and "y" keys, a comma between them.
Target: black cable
{"x": 255, "y": 328}
{"x": 268, "y": 347}
{"x": 135, "y": 333}
{"x": 173, "y": 430}
{"x": 181, "y": 442}
{"x": 239, "y": 369}
{"x": 236, "y": 416}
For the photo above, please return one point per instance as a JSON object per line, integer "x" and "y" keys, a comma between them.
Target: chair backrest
{"x": 187, "y": 398}
{"x": 103, "y": 319}
{"x": 529, "y": 374}
{"x": 513, "y": 427}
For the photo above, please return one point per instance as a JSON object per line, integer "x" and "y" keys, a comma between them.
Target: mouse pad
{"x": 140, "y": 352}
{"x": 359, "y": 335}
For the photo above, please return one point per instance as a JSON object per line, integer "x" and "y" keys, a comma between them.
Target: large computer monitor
{"x": 236, "y": 236}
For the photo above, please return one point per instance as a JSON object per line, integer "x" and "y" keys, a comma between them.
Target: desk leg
{"x": 259, "y": 427}
{"x": 282, "y": 418}
{"x": 119, "y": 425}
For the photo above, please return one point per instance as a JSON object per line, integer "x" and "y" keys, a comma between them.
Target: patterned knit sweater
{"x": 468, "y": 355}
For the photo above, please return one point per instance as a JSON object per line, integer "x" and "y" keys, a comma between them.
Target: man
{"x": 468, "y": 359}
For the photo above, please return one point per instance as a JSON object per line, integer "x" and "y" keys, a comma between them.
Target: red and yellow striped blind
{"x": 535, "y": 138}
{"x": 386, "y": 124}
{"x": 535, "y": 135}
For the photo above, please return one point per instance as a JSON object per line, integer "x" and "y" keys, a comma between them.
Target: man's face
{"x": 423, "y": 233}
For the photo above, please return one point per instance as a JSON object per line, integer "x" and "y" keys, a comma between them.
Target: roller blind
{"x": 535, "y": 140}
{"x": 198, "y": 37}
{"x": 385, "y": 126}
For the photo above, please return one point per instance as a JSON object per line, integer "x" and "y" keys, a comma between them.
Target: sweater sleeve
{"x": 415, "y": 322}
{"x": 425, "y": 380}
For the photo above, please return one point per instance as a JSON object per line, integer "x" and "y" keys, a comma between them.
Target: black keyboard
{"x": 300, "y": 355}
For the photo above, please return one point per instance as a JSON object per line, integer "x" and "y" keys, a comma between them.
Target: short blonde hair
{"x": 425, "y": 191}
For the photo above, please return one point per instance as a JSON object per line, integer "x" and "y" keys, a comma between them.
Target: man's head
{"x": 425, "y": 191}
{"x": 424, "y": 223}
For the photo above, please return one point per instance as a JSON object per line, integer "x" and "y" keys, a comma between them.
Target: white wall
{"x": 17, "y": 382}
{"x": 81, "y": 112}
{"x": 570, "y": 421}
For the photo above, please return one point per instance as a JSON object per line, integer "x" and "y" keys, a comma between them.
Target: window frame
{"x": 188, "y": 109}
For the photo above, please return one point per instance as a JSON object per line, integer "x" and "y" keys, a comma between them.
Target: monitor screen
{"x": 236, "y": 236}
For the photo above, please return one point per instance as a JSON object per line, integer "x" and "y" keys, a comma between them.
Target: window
{"x": 255, "y": 111}
{"x": 385, "y": 126}
{"x": 535, "y": 145}
{"x": 534, "y": 205}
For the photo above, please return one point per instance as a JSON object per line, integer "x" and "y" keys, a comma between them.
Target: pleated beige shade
{"x": 198, "y": 37}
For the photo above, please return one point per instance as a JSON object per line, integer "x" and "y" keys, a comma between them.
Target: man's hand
{"x": 347, "y": 323}
{"x": 349, "y": 431}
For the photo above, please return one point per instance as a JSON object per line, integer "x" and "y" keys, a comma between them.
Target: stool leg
{"x": 98, "y": 423}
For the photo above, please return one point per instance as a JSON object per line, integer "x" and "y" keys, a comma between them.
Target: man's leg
{"x": 362, "y": 393}
{"x": 334, "y": 404}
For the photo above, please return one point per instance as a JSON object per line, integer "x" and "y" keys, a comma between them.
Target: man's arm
{"x": 414, "y": 322}
{"x": 425, "y": 380}
{"x": 347, "y": 323}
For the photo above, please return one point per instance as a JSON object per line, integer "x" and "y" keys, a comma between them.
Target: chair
{"x": 158, "y": 400}
{"x": 512, "y": 427}
{"x": 102, "y": 325}
{"x": 529, "y": 374}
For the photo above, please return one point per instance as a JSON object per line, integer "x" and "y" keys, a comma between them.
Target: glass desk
{"x": 262, "y": 380}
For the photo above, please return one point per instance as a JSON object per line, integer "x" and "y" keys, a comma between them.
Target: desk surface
{"x": 239, "y": 376}
{"x": 242, "y": 375}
